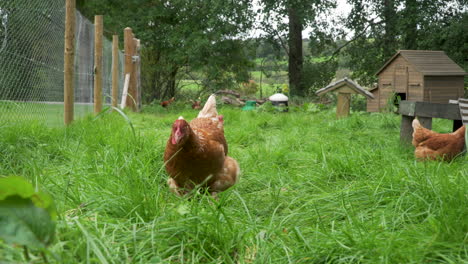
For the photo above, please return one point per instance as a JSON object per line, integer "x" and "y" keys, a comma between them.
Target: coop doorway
{"x": 397, "y": 98}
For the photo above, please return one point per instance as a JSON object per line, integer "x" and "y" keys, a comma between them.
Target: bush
{"x": 248, "y": 88}
{"x": 318, "y": 75}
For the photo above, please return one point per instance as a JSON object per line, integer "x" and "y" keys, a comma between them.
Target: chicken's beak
{"x": 177, "y": 136}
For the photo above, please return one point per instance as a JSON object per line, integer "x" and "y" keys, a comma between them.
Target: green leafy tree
{"x": 181, "y": 37}
{"x": 383, "y": 27}
{"x": 298, "y": 14}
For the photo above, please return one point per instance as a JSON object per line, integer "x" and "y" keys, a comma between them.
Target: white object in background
{"x": 278, "y": 97}
{"x": 125, "y": 90}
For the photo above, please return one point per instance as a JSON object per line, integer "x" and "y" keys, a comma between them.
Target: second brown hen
{"x": 432, "y": 145}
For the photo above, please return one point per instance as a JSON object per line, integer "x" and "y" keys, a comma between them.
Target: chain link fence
{"x": 32, "y": 62}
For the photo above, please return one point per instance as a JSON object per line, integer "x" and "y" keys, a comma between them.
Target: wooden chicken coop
{"x": 345, "y": 88}
{"x": 417, "y": 75}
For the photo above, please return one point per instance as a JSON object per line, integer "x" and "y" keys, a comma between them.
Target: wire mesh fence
{"x": 32, "y": 62}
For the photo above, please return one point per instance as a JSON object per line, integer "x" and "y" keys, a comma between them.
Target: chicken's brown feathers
{"x": 200, "y": 158}
{"x": 433, "y": 145}
{"x": 168, "y": 102}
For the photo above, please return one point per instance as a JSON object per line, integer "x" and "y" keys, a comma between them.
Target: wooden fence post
{"x": 98, "y": 31}
{"x": 134, "y": 80}
{"x": 138, "y": 76}
{"x": 69, "y": 53}
{"x": 115, "y": 70}
{"x": 128, "y": 69}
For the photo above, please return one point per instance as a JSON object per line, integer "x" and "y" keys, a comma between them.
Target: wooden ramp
{"x": 463, "y": 105}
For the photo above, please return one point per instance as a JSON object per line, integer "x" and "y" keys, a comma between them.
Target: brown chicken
{"x": 432, "y": 145}
{"x": 196, "y": 104}
{"x": 168, "y": 102}
{"x": 196, "y": 154}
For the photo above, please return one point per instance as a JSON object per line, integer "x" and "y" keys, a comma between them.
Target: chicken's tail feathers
{"x": 209, "y": 110}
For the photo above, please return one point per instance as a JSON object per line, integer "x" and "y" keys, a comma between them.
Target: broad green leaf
{"x": 15, "y": 185}
{"x": 26, "y": 217}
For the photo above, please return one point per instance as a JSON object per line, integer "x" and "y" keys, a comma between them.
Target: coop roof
{"x": 429, "y": 62}
{"x": 348, "y": 83}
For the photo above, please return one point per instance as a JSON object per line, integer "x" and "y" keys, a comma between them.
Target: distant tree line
{"x": 382, "y": 27}
{"x": 209, "y": 40}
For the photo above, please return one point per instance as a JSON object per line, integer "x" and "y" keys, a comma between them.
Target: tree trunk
{"x": 410, "y": 32}
{"x": 295, "y": 53}
{"x": 172, "y": 82}
{"x": 389, "y": 47}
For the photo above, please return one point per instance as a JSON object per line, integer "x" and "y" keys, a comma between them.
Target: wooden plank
{"x": 407, "y": 108}
{"x": 69, "y": 59}
{"x": 345, "y": 89}
{"x": 463, "y": 105}
{"x": 406, "y": 129}
{"x": 342, "y": 107}
{"x": 132, "y": 88}
{"x": 425, "y": 122}
{"x": 98, "y": 66}
{"x": 426, "y": 109}
{"x": 128, "y": 66}
{"x": 138, "y": 74}
{"x": 125, "y": 91}
{"x": 115, "y": 70}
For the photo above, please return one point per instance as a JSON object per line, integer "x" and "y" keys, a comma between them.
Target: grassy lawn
{"x": 50, "y": 113}
{"x": 313, "y": 190}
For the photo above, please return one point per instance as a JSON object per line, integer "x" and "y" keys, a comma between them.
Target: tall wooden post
{"x": 115, "y": 70}
{"x": 128, "y": 69}
{"x": 342, "y": 106}
{"x": 134, "y": 81}
{"x": 138, "y": 53}
{"x": 69, "y": 60}
{"x": 98, "y": 31}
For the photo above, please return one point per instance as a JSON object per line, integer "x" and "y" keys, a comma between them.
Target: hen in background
{"x": 168, "y": 102}
{"x": 433, "y": 146}
{"x": 196, "y": 154}
{"x": 196, "y": 104}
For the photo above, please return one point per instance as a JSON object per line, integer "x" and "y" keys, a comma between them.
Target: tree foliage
{"x": 284, "y": 21}
{"x": 180, "y": 36}
{"x": 382, "y": 27}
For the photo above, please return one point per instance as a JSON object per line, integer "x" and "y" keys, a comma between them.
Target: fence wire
{"x": 31, "y": 62}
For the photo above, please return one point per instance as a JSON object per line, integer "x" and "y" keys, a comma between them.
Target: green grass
{"x": 50, "y": 113}
{"x": 313, "y": 190}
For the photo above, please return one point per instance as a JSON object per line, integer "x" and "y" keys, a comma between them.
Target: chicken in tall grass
{"x": 196, "y": 154}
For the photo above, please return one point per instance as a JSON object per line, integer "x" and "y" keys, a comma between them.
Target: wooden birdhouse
{"x": 345, "y": 88}
{"x": 417, "y": 75}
